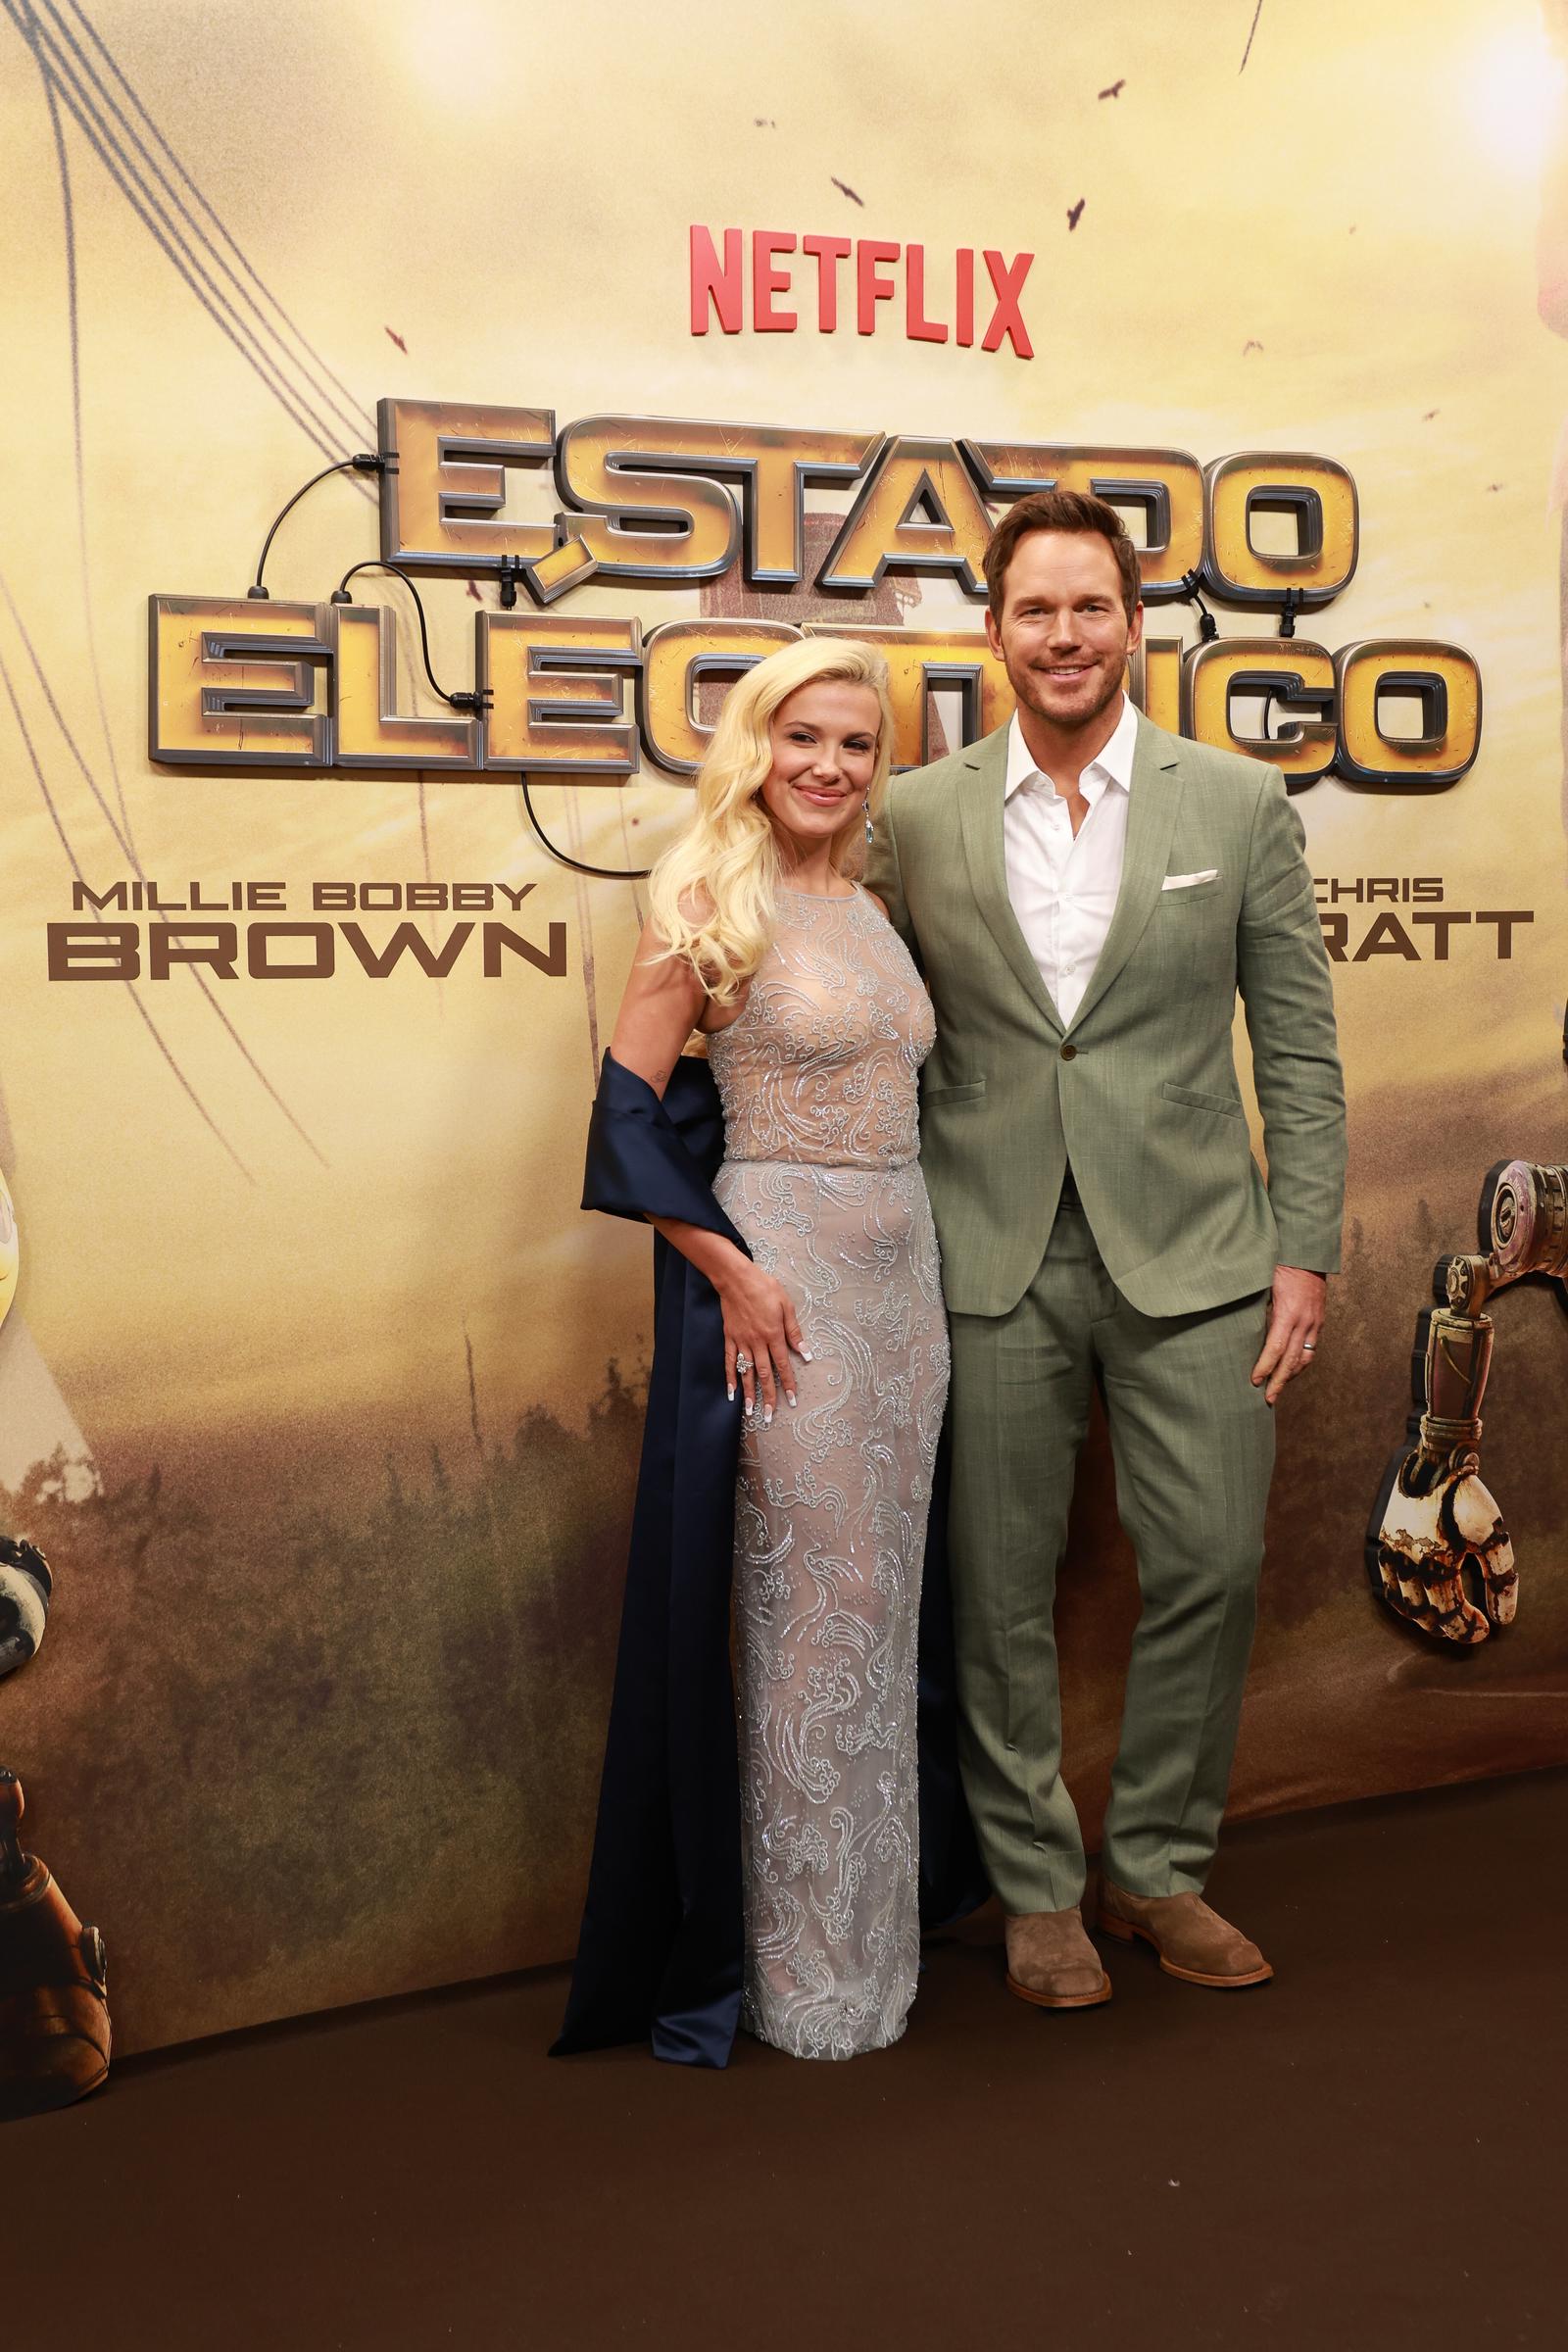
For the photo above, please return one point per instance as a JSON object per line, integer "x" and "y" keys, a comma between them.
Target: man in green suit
{"x": 1086, "y": 897}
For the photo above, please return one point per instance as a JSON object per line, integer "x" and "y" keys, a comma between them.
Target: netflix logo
{"x": 758, "y": 282}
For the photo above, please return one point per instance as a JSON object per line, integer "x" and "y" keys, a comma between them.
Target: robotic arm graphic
{"x": 55, "y": 2034}
{"x": 1438, "y": 1553}
{"x": 10, "y": 1249}
{"x": 24, "y": 1579}
{"x": 25, "y": 1586}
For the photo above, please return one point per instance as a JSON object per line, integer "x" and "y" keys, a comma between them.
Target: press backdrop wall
{"x": 322, "y": 1395}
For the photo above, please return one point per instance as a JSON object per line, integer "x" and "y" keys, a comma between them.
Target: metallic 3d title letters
{"x": 503, "y": 494}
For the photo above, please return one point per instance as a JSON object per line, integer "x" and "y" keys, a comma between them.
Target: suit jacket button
{"x": 1069, "y": 1052}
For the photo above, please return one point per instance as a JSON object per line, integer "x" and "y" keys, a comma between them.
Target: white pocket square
{"x": 1210, "y": 874}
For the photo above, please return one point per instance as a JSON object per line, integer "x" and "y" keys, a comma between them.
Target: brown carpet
{"x": 1367, "y": 2153}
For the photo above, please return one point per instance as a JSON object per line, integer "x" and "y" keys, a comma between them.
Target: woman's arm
{"x": 664, "y": 1002}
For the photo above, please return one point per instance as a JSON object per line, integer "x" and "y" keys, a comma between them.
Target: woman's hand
{"x": 760, "y": 1334}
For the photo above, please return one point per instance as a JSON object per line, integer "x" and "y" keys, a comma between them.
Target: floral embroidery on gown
{"x": 817, "y": 1078}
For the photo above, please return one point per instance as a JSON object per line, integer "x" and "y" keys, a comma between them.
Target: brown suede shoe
{"x": 1051, "y": 1962}
{"x": 1192, "y": 1941}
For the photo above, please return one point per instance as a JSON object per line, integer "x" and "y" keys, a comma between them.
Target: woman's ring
{"x": 743, "y": 1362}
{"x": 1310, "y": 1347}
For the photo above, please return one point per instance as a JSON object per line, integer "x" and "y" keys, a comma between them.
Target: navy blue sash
{"x": 661, "y": 1951}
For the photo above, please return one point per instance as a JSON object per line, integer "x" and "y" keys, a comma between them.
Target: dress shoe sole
{"x": 1061, "y": 2000}
{"x": 1125, "y": 1933}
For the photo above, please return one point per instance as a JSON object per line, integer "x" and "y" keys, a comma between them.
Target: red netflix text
{"x": 857, "y": 276}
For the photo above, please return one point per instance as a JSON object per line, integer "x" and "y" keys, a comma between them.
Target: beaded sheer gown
{"x": 818, "y": 1077}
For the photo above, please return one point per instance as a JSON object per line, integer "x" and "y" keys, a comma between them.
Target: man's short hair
{"x": 1060, "y": 511}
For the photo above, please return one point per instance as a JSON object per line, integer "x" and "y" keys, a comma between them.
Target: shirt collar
{"x": 1113, "y": 764}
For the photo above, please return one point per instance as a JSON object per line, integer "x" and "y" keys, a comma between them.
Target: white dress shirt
{"x": 1063, "y": 891}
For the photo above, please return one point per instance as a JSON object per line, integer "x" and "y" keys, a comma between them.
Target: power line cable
{"x": 298, "y": 398}
{"x": 352, "y": 417}
{"x": 216, "y": 219}
{"x": 59, "y": 83}
{"x": 122, "y": 830}
{"x": 129, "y": 985}
{"x": 69, "y": 210}
{"x": 202, "y": 983}
{"x": 1251, "y": 38}
{"x": 147, "y": 209}
{"x": 585, "y": 932}
{"x": 121, "y": 840}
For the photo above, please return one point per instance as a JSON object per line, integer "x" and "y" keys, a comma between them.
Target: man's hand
{"x": 1296, "y": 1319}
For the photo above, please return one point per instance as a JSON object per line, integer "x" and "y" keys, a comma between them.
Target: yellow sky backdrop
{"x": 508, "y": 190}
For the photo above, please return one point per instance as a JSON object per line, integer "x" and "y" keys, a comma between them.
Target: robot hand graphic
{"x": 55, "y": 2034}
{"x": 1443, "y": 1558}
{"x": 1437, "y": 1550}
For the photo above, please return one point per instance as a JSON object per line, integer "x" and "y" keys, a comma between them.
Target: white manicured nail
{"x": 806, "y": 1356}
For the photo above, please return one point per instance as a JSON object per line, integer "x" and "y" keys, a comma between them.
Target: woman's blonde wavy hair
{"x": 712, "y": 892}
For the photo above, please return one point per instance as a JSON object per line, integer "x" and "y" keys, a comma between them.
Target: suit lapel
{"x": 980, "y": 802}
{"x": 1152, "y": 804}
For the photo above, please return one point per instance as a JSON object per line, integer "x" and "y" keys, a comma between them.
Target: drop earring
{"x": 871, "y": 829}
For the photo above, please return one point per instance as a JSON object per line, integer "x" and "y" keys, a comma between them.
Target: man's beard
{"x": 1025, "y": 687}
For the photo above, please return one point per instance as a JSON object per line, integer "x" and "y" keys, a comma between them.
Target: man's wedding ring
{"x": 1310, "y": 1347}
{"x": 743, "y": 1362}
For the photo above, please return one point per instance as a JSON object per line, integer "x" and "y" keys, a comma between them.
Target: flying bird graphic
{"x": 1076, "y": 214}
{"x": 845, "y": 190}
{"x": 1427, "y": 414}
{"x": 1116, "y": 88}
{"x": 398, "y": 340}
{"x": 1252, "y": 344}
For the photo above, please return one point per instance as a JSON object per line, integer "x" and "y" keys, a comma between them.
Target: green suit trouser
{"x": 1193, "y": 1443}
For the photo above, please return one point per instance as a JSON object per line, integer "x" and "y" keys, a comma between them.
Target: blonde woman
{"x": 801, "y": 1370}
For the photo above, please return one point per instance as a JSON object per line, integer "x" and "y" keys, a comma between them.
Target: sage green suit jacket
{"x": 1139, "y": 1088}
